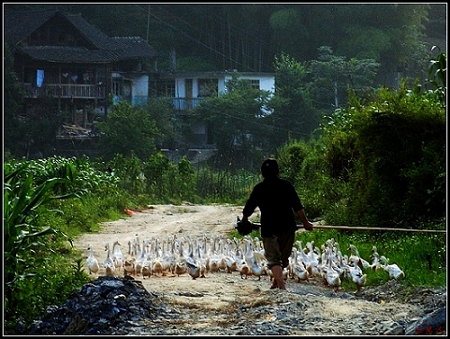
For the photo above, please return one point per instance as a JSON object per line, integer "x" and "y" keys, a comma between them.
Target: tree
{"x": 287, "y": 30}
{"x": 128, "y": 131}
{"x": 13, "y": 95}
{"x": 29, "y": 130}
{"x": 294, "y": 116}
{"x": 236, "y": 123}
{"x": 162, "y": 112}
{"x": 332, "y": 76}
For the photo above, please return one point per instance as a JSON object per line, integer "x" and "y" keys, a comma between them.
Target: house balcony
{"x": 185, "y": 104}
{"x": 69, "y": 91}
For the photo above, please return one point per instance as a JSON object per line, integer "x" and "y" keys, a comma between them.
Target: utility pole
{"x": 336, "y": 103}
{"x": 148, "y": 22}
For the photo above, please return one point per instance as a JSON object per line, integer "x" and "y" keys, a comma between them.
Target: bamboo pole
{"x": 364, "y": 228}
{"x": 351, "y": 228}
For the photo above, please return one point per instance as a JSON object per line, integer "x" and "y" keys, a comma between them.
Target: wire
{"x": 234, "y": 28}
{"x": 194, "y": 39}
{"x": 271, "y": 126}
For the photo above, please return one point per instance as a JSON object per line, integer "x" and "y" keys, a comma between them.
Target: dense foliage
{"x": 377, "y": 162}
{"x": 294, "y": 115}
{"x": 128, "y": 131}
{"x": 13, "y": 101}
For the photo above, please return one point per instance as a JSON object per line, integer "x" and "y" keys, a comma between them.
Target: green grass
{"x": 408, "y": 251}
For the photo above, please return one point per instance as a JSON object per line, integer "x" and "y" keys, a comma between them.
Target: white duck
{"x": 330, "y": 275}
{"x": 180, "y": 263}
{"x": 146, "y": 269}
{"x": 108, "y": 263}
{"x": 166, "y": 256}
{"x": 221, "y": 255}
{"x": 213, "y": 261}
{"x": 157, "y": 265}
{"x": 303, "y": 257}
{"x": 230, "y": 260}
{"x": 193, "y": 268}
{"x": 128, "y": 266}
{"x": 130, "y": 260}
{"x": 354, "y": 254}
{"x": 92, "y": 261}
{"x": 200, "y": 260}
{"x": 241, "y": 264}
{"x": 313, "y": 259}
{"x": 356, "y": 274}
{"x": 255, "y": 268}
{"x": 299, "y": 271}
{"x": 339, "y": 266}
{"x": 394, "y": 271}
{"x": 332, "y": 256}
{"x": 117, "y": 255}
{"x": 142, "y": 258}
{"x": 376, "y": 264}
{"x": 258, "y": 247}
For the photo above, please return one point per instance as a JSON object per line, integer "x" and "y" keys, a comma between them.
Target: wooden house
{"x": 63, "y": 58}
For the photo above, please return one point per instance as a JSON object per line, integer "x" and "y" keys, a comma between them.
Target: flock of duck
{"x": 198, "y": 256}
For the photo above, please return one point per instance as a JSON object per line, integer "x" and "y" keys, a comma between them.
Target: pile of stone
{"x": 107, "y": 305}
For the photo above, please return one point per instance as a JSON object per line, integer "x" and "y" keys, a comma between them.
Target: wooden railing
{"x": 93, "y": 92}
{"x": 66, "y": 91}
{"x": 184, "y": 104}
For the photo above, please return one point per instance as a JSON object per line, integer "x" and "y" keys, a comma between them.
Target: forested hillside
{"x": 247, "y": 37}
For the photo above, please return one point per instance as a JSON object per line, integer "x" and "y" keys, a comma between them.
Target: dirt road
{"x": 216, "y": 295}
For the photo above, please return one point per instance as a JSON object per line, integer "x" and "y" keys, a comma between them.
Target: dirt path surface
{"x": 216, "y": 298}
{"x": 163, "y": 221}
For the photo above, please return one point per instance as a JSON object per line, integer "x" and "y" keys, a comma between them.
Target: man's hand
{"x": 308, "y": 226}
{"x": 244, "y": 226}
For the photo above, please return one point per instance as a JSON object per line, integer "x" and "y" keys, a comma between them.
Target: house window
{"x": 88, "y": 77}
{"x": 164, "y": 89}
{"x": 101, "y": 79}
{"x": 116, "y": 87}
{"x": 254, "y": 84}
{"x": 207, "y": 88}
{"x": 29, "y": 75}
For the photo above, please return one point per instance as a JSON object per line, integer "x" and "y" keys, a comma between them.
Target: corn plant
{"x": 437, "y": 74}
{"x": 22, "y": 202}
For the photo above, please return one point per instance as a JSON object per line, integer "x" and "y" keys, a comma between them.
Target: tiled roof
{"x": 19, "y": 25}
{"x": 133, "y": 46}
{"x": 91, "y": 33}
{"x": 63, "y": 54}
{"x": 211, "y": 74}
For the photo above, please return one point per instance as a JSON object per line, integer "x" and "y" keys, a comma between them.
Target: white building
{"x": 188, "y": 88}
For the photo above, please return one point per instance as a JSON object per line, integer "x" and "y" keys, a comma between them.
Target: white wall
{"x": 139, "y": 90}
{"x": 266, "y": 83}
{"x": 180, "y": 89}
{"x": 140, "y": 86}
